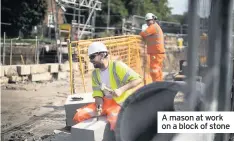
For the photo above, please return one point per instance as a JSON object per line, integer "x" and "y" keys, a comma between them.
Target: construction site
{"x": 42, "y": 84}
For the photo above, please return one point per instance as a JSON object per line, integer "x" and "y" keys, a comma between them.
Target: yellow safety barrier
{"x": 125, "y": 48}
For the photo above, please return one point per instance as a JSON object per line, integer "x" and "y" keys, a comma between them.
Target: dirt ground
{"x": 32, "y": 111}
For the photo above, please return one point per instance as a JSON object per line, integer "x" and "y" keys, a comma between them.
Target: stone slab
{"x": 41, "y": 77}
{"x": 90, "y": 66}
{"x": 59, "y": 136}
{"x": 4, "y": 80}
{"x": 53, "y": 68}
{"x": 40, "y": 68}
{"x": 62, "y": 75}
{"x": 76, "y": 66}
{"x": 72, "y": 105}
{"x": 89, "y": 130}
{"x": 10, "y": 70}
{"x": 15, "y": 79}
{"x": 64, "y": 67}
{"x": 23, "y": 70}
{"x": 2, "y": 71}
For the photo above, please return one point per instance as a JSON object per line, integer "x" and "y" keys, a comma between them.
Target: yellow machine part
{"x": 65, "y": 30}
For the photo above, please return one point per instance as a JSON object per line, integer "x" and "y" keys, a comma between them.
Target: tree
{"x": 141, "y": 7}
{"x": 124, "y": 8}
{"x": 182, "y": 19}
{"x": 23, "y": 15}
{"x": 120, "y": 9}
{"x": 117, "y": 12}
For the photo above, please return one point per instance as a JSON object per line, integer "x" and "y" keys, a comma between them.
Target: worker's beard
{"x": 97, "y": 65}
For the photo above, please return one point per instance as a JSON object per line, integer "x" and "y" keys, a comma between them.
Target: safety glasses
{"x": 91, "y": 57}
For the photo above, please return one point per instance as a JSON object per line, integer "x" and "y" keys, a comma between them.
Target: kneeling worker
{"x": 112, "y": 83}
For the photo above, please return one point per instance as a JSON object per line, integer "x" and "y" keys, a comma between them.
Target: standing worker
{"x": 153, "y": 35}
{"x": 112, "y": 83}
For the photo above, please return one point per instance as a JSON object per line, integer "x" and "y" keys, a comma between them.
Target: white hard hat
{"x": 150, "y": 16}
{"x": 96, "y": 47}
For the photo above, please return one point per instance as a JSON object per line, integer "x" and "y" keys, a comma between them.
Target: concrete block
{"x": 59, "y": 136}
{"x": 53, "y": 68}
{"x": 4, "y": 80}
{"x": 72, "y": 105}
{"x": 61, "y": 75}
{"x": 76, "y": 66}
{"x": 64, "y": 67}
{"x": 2, "y": 71}
{"x": 23, "y": 69}
{"x": 90, "y": 66}
{"x": 41, "y": 77}
{"x": 10, "y": 70}
{"x": 15, "y": 79}
{"x": 89, "y": 130}
{"x": 43, "y": 68}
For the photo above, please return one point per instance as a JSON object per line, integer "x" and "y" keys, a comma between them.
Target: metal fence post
{"x": 11, "y": 54}
{"x": 193, "y": 40}
{"x": 35, "y": 57}
{"x": 4, "y": 48}
{"x": 38, "y": 52}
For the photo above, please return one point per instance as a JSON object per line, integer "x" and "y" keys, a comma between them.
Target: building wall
{"x": 52, "y": 9}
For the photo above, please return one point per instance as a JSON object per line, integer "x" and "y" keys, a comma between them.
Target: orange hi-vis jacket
{"x": 154, "y": 38}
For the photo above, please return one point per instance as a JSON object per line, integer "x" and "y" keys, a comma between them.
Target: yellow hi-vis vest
{"x": 120, "y": 74}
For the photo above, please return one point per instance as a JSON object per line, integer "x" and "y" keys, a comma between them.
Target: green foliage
{"x": 123, "y": 8}
{"x": 141, "y": 7}
{"x": 117, "y": 12}
{"x": 23, "y": 15}
{"x": 180, "y": 18}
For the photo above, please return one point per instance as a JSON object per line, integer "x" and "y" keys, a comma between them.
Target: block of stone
{"x": 64, "y": 67}
{"x": 15, "y": 79}
{"x": 10, "y": 70}
{"x": 71, "y": 105}
{"x": 23, "y": 69}
{"x": 75, "y": 66}
{"x": 62, "y": 75}
{"x": 4, "y": 80}
{"x": 59, "y": 136}
{"x": 41, "y": 77}
{"x": 89, "y": 130}
{"x": 2, "y": 71}
{"x": 53, "y": 68}
{"x": 40, "y": 68}
{"x": 90, "y": 66}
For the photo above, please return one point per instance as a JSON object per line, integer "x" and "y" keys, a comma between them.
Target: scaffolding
{"x": 77, "y": 5}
